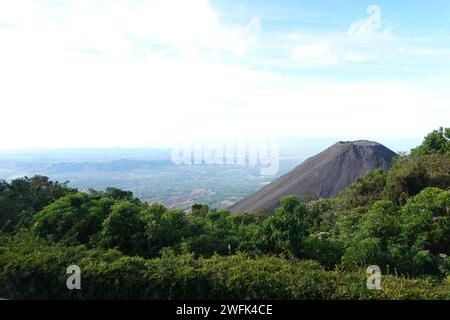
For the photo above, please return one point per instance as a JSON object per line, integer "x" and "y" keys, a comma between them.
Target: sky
{"x": 106, "y": 73}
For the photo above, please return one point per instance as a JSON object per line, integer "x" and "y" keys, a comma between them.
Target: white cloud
{"x": 114, "y": 26}
{"x": 317, "y": 53}
{"x": 360, "y": 44}
{"x": 356, "y": 58}
{"x": 133, "y": 73}
{"x": 366, "y": 42}
{"x": 240, "y": 38}
{"x": 367, "y": 27}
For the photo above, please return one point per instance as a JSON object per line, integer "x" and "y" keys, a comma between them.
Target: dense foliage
{"x": 33, "y": 269}
{"x": 21, "y": 199}
{"x": 317, "y": 249}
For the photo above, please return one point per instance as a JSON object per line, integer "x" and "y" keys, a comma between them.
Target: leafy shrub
{"x": 22, "y": 198}
{"x": 123, "y": 229}
{"x": 327, "y": 251}
{"x": 73, "y": 219}
{"x": 364, "y": 191}
{"x": 409, "y": 175}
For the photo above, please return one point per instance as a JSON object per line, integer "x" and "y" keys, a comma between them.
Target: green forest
{"x": 307, "y": 249}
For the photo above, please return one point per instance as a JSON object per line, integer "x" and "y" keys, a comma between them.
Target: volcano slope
{"x": 324, "y": 175}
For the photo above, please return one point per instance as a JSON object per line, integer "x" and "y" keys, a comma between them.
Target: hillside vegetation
{"x": 397, "y": 219}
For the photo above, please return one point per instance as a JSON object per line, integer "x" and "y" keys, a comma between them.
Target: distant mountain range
{"x": 323, "y": 175}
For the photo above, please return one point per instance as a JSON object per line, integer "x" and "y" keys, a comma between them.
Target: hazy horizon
{"x": 395, "y": 144}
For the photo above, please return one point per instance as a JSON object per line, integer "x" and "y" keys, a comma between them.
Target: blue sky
{"x": 124, "y": 73}
{"x": 414, "y": 17}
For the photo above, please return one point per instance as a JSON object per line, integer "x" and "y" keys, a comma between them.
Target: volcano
{"x": 324, "y": 175}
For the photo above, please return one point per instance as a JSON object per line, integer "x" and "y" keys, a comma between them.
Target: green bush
{"x": 364, "y": 191}
{"x": 32, "y": 269}
{"x": 73, "y": 219}
{"x": 123, "y": 229}
{"x": 22, "y": 198}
